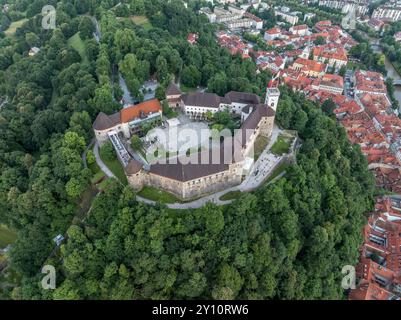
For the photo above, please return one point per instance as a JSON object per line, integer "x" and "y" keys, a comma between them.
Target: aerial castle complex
{"x": 205, "y": 171}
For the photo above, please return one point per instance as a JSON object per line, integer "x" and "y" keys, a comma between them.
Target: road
{"x": 97, "y": 34}
{"x": 127, "y": 98}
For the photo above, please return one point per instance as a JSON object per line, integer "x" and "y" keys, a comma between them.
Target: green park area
{"x": 111, "y": 161}
{"x": 6, "y": 236}
{"x": 142, "y": 21}
{"x": 279, "y": 170}
{"x": 282, "y": 145}
{"x": 78, "y": 44}
{"x": 260, "y": 145}
{"x": 14, "y": 26}
{"x": 158, "y": 195}
{"x": 232, "y": 195}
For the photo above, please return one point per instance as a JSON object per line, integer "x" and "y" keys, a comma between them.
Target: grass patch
{"x": 158, "y": 195}
{"x": 115, "y": 166}
{"x": 168, "y": 112}
{"x": 142, "y": 21}
{"x": 232, "y": 195}
{"x": 78, "y": 44}
{"x": 14, "y": 26}
{"x": 260, "y": 145}
{"x": 186, "y": 89}
{"x": 105, "y": 184}
{"x": 6, "y": 236}
{"x": 279, "y": 170}
{"x": 97, "y": 177}
{"x": 94, "y": 168}
{"x": 281, "y": 146}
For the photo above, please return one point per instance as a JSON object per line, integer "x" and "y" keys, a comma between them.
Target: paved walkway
{"x": 100, "y": 163}
{"x": 86, "y": 152}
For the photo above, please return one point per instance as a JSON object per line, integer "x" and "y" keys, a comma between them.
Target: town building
{"x": 387, "y": 13}
{"x": 369, "y": 82}
{"x": 379, "y": 270}
{"x": 331, "y": 54}
{"x": 287, "y": 16}
{"x": 257, "y": 23}
{"x": 173, "y": 96}
{"x": 309, "y": 68}
{"x": 234, "y": 44}
{"x": 309, "y": 16}
{"x": 360, "y": 7}
{"x": 33, "y": 51}
{"x": 301, "y": 30}
{"x": 376, "y": 24}
{"x": 192, "y": 38}
{"x": 272, "y": 34}
{"x": 329, "y": 82}
{"x": 239, "y": 24}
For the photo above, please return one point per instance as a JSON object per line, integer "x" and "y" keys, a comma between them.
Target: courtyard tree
{"x": 136, "y": 143}
{"x": 191, "y": 76}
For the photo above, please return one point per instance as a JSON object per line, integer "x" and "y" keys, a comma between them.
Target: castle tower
{"x": 272, "y": 96}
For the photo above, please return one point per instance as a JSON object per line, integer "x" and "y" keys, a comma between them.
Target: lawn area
{"x": 281, "y": 146}
{"x": 6, "y": 236}
{"x": 279, "y": 170}
{"x": 14, "y": 26}
{"x": 154, "y": 194}
{"x": 115, "y": 167}
{"x": 186, "y": 89}
{"x": 260, "y": 145}
{"x": 232, "y": 195}
{"x": 168, "y": 112}
{"x": 142, "y": 21}
{"x": 77, "y": 43}
{"x": 104, "y": 184}
{"x": 97, "y": 177}
{"x": 94, "y": 168}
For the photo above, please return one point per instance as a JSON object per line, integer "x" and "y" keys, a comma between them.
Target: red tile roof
{"x": 136, "y": 111}
{"x": 311, "y": 65}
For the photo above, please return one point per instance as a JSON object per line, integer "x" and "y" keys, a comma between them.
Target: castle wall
{"x": 102, "y": 135}
{"x": 170, "y": 185}
{"x": 189, "y": 189}
{"x": 137, "y": 180}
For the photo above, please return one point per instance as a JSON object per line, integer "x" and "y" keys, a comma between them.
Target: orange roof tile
{"x": 136, "y": 111}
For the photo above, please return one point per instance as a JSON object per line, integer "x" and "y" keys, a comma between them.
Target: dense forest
{"x": 288, "y": 240}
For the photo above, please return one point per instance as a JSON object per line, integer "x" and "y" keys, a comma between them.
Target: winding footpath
{"x": 101, "y": 164}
